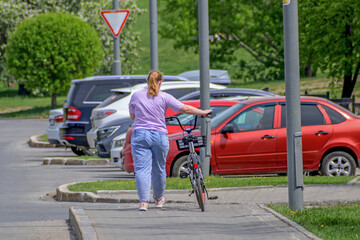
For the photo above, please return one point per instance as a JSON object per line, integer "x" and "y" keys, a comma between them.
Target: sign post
{"x": 116, "y": 19}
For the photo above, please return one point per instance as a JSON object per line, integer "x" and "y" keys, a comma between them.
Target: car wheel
{"x": 338, "y": 164}
{"x": 77, "y": 151}
{"x": 180, "y": 166}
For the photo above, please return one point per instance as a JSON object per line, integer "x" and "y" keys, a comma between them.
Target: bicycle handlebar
{"x": 191, "y": 127}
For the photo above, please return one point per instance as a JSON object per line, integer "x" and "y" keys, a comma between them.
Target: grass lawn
{"x": 335, "y": 222}
{"x": 211, "y": 182}
{"x": 13, "y": 105}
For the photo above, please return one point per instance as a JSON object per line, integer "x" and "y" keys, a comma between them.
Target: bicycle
{"x": 193, "y": 160}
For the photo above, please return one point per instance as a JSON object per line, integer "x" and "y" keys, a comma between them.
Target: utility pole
{"x": 204, "y": 81}
{"x": 293, "y": 114}
{"x": 153, "y": 34}
{"x": 116, "y": 62}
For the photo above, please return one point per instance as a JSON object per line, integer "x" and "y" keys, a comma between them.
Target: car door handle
{"x": 267, "y": 137}
{"x": 321, "y": 133}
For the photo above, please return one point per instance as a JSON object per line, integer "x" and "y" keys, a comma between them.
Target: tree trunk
{"x": 309, "y": 71}
{"x": 349, "y": 81}
{"x": 53, "y": 100}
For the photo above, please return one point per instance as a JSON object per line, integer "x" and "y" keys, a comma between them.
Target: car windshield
{"x": 225, "y": 115}
{"x": 188, "y": 120}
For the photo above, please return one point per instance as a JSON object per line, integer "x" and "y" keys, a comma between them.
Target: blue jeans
{"x": 149, "y": 150}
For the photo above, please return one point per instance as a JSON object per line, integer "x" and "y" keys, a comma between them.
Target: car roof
{"x": 118, "y": 77}
{"x": 216, "y": 76}
{"x": 166, "y": 85}
{"x": 239, "y": 91}
{"x": 283, "y": 98}
{"x": 212, "y": 101}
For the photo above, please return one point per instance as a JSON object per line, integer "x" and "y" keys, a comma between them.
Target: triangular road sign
{"x": 115, "y": 19}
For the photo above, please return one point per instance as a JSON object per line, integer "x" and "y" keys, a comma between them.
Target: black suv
{"x": 83, "y": 96}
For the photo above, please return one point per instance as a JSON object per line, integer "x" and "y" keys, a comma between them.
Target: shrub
{"x": 46, "y": 52}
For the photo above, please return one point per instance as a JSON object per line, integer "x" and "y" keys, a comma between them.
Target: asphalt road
{"x": 27, "y": 210}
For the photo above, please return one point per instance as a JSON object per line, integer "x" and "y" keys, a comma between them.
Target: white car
{"x": 117, "y": 105}
{"x": 116, "y": 148}
{"x": 56, "y": 118}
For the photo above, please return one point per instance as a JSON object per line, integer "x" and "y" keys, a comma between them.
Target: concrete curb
{"x": 35, "y": 143}
{"x": 63, "y": 194}
{"x": 75, "y": 161}
{"x": 289, "y": 222}
{"x": 81, "y": 223}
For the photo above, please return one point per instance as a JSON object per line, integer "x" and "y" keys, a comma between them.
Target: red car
{"x": 173, "y": 127}
{"x": 250, "y": 138}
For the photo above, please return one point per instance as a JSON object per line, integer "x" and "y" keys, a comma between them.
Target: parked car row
{"x": 248, "y": 133}
{"x": 117, "y": 105}
{"x": 250, "y": 138}
{"x": 69, "y": 126}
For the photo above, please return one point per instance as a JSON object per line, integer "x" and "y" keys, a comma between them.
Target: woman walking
{"x": 149, "y": 140}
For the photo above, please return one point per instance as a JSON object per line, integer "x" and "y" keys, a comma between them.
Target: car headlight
{"x": 104, "y": 133}
{"x": 118, "y": 143}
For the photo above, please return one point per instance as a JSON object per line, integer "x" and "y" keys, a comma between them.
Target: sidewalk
{"x": 237, "y": 214}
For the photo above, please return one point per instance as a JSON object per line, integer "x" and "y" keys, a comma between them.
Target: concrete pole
{"x": 116, "y": 62}
{"x": 153, "y": 34}
{"x": 293, "y": 114}
{"x": 204, "y": 80}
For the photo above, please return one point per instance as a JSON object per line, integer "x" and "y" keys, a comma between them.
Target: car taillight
{"x": 68, "y": 138}
{"x": 73, "y": 113}
{"x": 104, "y": 113}
{"x": 59, "y": 118}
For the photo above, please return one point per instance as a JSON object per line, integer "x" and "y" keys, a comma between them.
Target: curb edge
{"x": 289, "y": 222}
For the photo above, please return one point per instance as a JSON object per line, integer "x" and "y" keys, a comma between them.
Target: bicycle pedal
{"x": 191, "y": 193}
{"x": 184, "y": 175}
{"x": 213, "y": 198}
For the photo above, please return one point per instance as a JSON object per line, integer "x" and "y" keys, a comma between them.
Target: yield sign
{"x": 115, "y": 19}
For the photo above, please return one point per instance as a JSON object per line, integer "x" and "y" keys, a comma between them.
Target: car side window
{"x": 310, "y": 115}
{"x": 334, "y": 116}
{"x": 177, "y": 93}
{"x": 255, "y": 118}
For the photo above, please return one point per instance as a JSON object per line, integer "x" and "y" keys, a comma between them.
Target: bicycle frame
{"x": 194, "y": 168}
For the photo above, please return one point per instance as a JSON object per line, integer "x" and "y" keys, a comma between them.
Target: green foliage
{"x": 329, "y": 37}
{"x": 255, "y": 26}
{"x": 171, "y": 61}
{"x": 331, "y": 33}
{"x": 129, "y": 39}
{"x": 50, "y": 50}
{"x": 13, "y": 12}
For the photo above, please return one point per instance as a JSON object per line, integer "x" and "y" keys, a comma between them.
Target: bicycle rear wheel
{"x": 200, "y": 192}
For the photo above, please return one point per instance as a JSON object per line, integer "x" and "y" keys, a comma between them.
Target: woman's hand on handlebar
{"x": 207, "y": 113}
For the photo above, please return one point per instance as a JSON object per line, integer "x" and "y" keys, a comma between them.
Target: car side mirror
{"x": 229, "y": 128}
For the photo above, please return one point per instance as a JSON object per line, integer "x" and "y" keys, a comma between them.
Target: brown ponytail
{"x": 153, "y": 78}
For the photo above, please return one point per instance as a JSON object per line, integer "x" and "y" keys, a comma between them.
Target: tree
{"x": 50, "y": 50}
{"x": 255, "y": 26}
{"x": 13, "y": 12}
{"x": 332, "y": 33}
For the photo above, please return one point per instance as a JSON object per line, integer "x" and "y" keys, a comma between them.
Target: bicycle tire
{"x": 200, "y": 193}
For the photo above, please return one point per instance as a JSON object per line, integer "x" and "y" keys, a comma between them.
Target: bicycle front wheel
{"x": 200, "y": 192}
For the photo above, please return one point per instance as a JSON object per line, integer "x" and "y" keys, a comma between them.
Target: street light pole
{"x": 293, "y": 114}
{"x": 153, "y": 34}
{"x": 204, "y": 81}
{"x": 116, "y": 63}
